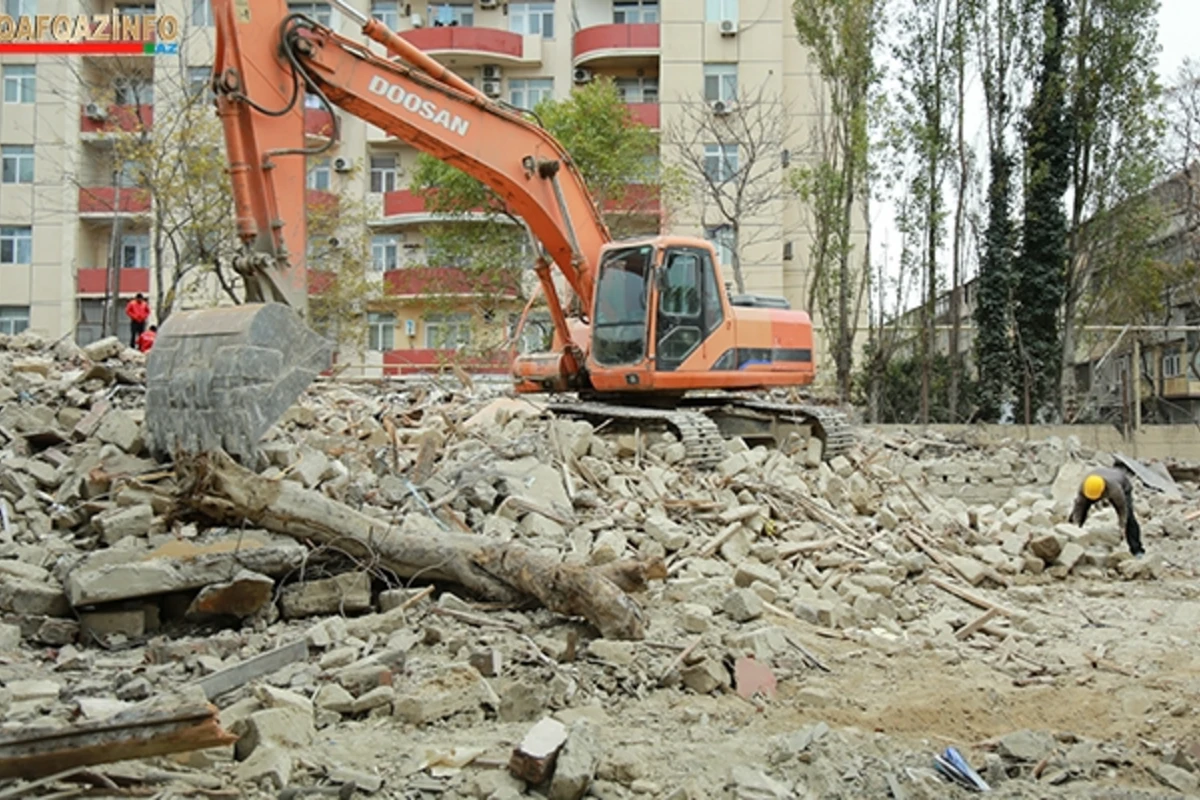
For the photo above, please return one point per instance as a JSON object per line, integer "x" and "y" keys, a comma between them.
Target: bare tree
{"x": 730, "y": 158}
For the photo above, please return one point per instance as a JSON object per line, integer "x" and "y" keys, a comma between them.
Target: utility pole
{"x": 112, "y": 287}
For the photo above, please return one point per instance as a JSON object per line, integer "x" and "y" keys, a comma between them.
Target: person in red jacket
{"x": 146, "y": 340}
{"x": 138, "y": 311}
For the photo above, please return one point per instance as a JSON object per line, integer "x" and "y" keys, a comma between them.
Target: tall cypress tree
{"x": 1041, "y": 265}
{"x": 993, "y": 315}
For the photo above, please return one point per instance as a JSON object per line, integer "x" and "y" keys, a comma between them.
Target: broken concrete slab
{"x": 341, "y": 594}
{"x": 455, "y": 689}
{"x": 534, "y": 758}
{"x": 247, "y": 594}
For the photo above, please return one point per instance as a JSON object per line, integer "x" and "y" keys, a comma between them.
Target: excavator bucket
{"x": 220, "y": 377}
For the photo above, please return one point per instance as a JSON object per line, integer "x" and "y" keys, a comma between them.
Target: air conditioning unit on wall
{"x": 582, "y": 75}
{"x": 95, "y": 111}
{"x": 342, "y": 164}
{"x": 492, "y": 88}
{"x": 492, "y": 72}
{"x": 489, "y": 3}
{"x": 721, "y": 107}
{"x": 728, "y": 27}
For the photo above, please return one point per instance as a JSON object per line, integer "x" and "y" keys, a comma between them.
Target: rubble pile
{"x": 434, "y": 589}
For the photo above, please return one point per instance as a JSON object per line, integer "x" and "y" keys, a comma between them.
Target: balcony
{"x": 318, "y": 122}
{"x": 320, "y": 200}
{"x": 471, "y": 47}
{"x": 449, "y": 281}
{"x": 131, "y": 281}
{"x": 647, "y": 114}
{"x": 638, "y": 200}
{"x": 104, "y": 201}
{"x": 402, "y": 362}
{"x": 611, "y": 45}
{"x": 127, "y": 119}
{"x": 404, "y": 207}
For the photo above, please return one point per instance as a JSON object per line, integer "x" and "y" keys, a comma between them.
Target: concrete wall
{"x": 1179, "y": 442}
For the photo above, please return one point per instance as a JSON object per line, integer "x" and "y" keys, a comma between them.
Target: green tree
{"x": 996, "y": 27}
{"x": 1115, "y": 159}
{"x": 613, "y": 152}
{"x": 840, "y": 36}
{"x": 1041, "y": 264}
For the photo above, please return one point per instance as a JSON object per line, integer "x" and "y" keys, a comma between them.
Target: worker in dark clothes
{"x": 1111, "y": 484}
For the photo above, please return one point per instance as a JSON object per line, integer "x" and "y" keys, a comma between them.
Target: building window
{"x": 528, "y": 92}
{"x": 133, "y": 92}
{"x": 202, "y": 15}
{"x": 450, "y": 15}
{"x": 724, "y": 239}
{"x": 20, "y": 8}
{"x": 385, "y": 252}
{"x": 720, "y": 82}
{"x": 318, "y": 11}
{"x": 137, "y": 10}
{"x": 532, "y": 19}
{"x": 135, "y": 251}
{"x": 130, "y": 175}
{"x": 13, "y": 319}
{"x": 16, "y": 244}
{"x": 720, "y": 162}
{"x": 637, "y": 90}
{"x": 318, "y": 175}
{"x": 90, "y": 325}
{"x": 383, "y": 173}
{"x": 381, "y": 331}
{"x": 387, "y": 12}
{"x": 16, "y": 163}
{"x": 632, "y": 12}
{"x": 444, "y": 331}
{"x": 1172, "y": 365}
{"x": 20, "y": 83}
{"x": 719, "y": 10}
{"x": 199, "y": 81}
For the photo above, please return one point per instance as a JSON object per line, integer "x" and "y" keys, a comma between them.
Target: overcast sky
{"x": 1178, "y": 27}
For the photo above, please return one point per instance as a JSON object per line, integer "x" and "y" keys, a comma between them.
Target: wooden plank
{"x": 972, "y": 598}
{"x": 134, "y": 734}
{"x": 971, "y": 628}
{"x": 230, "y": 678}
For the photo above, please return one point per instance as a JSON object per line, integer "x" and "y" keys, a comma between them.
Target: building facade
{"x": 68, "y": 210}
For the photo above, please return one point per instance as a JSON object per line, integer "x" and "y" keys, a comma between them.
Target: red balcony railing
{"x": 95, "y": 280}
{"x": 459, "y": 39}
{"x": 318, "y": 122}
{"x": 117, "y": 118}
{"x": 402, "y": 201}
{"x": 605, "y": 39}
{"x": 646, "y": 114}
{"x": 399, "y": 362}
{"x": 320, "y": 200}
{"x": 109, "y": 200}
{"x": 637, "y": 199}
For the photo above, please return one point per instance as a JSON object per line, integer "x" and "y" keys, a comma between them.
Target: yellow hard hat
{"x": 1093, "y": 487}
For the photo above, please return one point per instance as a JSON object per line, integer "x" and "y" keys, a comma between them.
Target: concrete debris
{"x": 904, "y": 591}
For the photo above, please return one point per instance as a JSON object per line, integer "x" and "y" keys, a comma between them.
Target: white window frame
{"x": 529, "y": 19}
{"x": 135, "y": 251}
{"x": 321, "y": 12}
{"x": 720, "y": 82}
{"x": 13, "y": 319}
{"x": 138, "y": 10}
{"x": 522, "y": 91}
{"x": 720, "y": 162}
{"x": 387, "y": 12}
{"x": 20, "y": 83}
{"x": 635, "y": 12}
{"x": 319, "y": 172}
{"x": 20, "y": 8}
{"x": 16, "y": 163}
{"x": 447, "y": 331}
{"x": 199, "y": 80}
{"x": 724, "y": 240}
{"x": 720, "y": 10}
{"x": 202, "y": 15}
{"x": 133, "y": 91}
{"x": 462, "y": 15}
{"x": 381, "y": 331}
{"x": 16, "y": 244}
{"x": 385, "y": 252}
{"x": 1172, "y": 365}
{"x": 637, "y": 90}
{"x": 383, "y": 176}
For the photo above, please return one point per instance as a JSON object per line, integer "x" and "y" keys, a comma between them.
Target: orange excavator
{"x": 650, "y": 338}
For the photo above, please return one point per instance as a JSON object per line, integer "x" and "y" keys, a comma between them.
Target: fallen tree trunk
{"x": 133, "y": 734}
{"x": 221, "y": 489}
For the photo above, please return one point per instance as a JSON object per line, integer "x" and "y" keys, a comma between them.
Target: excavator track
{"x": 701, "y": 433}
{"x": 705, "y": 446}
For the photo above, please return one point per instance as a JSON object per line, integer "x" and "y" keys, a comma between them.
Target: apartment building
{"x": 68, "y": 211}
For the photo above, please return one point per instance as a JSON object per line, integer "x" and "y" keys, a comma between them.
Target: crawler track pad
{"x": 220, "y": 377}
